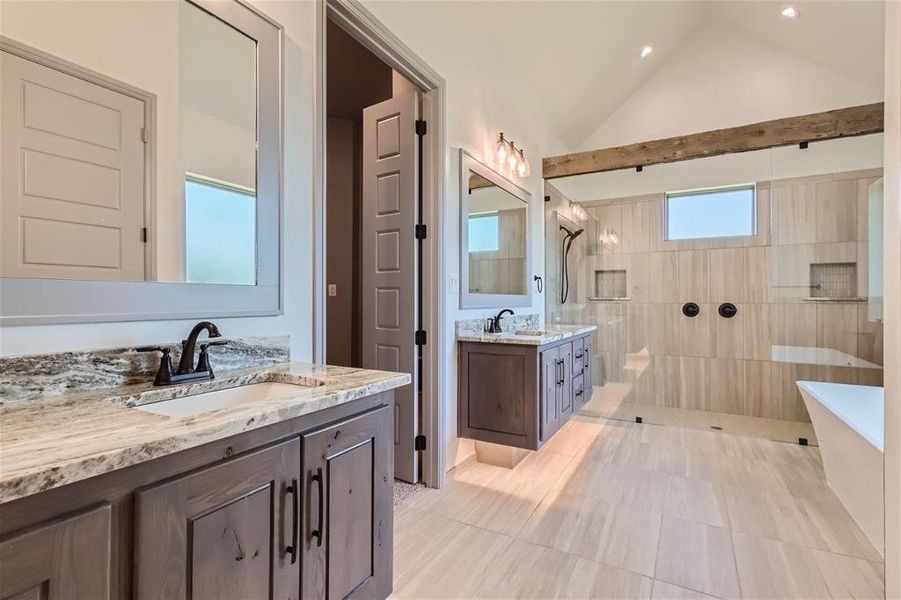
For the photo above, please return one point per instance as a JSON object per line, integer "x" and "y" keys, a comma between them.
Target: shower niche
{"x": 610, "y": 285}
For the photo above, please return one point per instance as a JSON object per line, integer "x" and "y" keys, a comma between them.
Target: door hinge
{"x": 145, "y": 135}
{"x": 420, "y": 231}
{"x": 421, "y": 127}
{"x": 420, "y": 337}
{"x": 419, "y": 442}
{"x": 144, "y": 234}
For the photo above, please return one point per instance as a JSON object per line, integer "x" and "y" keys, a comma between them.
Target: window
{"x": 484, "y": 232}
{"x": 716, "y": 212}
{"x": 220, "y": 233}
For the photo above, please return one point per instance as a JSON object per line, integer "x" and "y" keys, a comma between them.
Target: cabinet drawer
{"x": 578, "y": 356}
{"x": 579, "y": 392}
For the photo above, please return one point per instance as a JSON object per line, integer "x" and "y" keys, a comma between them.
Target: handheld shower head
{"x": 572, "y": 234}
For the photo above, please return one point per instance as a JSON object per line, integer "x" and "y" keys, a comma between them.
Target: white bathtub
{"x": 849, "y": 422}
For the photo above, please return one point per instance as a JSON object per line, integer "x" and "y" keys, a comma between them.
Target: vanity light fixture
{"x": 790, "y": 12}
{"x": 511, "y": 157}
{"x": 645, "y": 51}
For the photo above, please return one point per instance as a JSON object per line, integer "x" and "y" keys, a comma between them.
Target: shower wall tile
{"x": 793, "y": 215}
{"x": 667, "y": 381}
{"x": 636, "y": 227}
{"x": 836, "y": 211}
{"x": 695, "y": 335}
{"x": 610, "y": 320}
{"x": 790, "y": 272}
{"x": 658, "y": 241}
{"x": 729, "y": 335}
{"x": 869, "y": 336}
{"x": 638, "y": 276}
{"x": 739, "y": 275}
{"x": 762, "y": 389}
{"x": 792, "y": 405}
{"x": 693, "y": 379}
{"x": 837, "y": 327}
{"x": 663, "y": 268}
{"x": 694, "y": 276}
{"x": 756, "y": 341}
{"x": 793, "y": 324}
{"x": 726, "y": 388}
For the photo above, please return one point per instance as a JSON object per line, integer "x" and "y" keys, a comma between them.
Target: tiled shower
{"x": 805, "y": 287}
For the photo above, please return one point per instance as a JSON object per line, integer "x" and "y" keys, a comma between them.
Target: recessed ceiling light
{"x": 645, "y": 51}
{"x": 790, "y": 12}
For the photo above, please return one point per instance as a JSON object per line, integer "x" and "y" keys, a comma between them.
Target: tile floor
{"x": 611, "y": 509}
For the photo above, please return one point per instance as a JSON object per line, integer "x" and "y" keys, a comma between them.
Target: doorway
{"x": 373, "y": 228}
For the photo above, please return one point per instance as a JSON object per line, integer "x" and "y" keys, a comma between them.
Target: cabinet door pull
{"x": 295, "y": 522}
{"x": 317, "y": 533}
{"x": 579, "y": 355}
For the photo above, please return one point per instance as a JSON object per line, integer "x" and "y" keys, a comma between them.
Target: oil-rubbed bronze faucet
{"x": 496, "y": 321}
{"x": 186, "y": 369}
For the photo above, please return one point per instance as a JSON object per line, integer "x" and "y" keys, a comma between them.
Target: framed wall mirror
{"x": 495, "y": 260}
{"x": 145, "y": 182}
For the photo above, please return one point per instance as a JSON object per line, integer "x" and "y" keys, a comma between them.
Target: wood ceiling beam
{"x": 832, "y": 124}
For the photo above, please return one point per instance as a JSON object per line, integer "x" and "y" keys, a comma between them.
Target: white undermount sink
{"x": 209, "y": 401}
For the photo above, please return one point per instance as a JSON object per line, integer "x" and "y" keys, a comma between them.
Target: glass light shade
{"x": 523, "y": 168}
{"x": 501, "y": 149}
{"x": 512, "y": 157}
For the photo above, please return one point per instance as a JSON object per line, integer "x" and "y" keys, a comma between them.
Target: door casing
{"x": 358, "y": 22}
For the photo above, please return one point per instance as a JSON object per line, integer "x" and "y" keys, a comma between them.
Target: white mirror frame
{"x": 469, "y": 299}
{"x": 35, "y": 301}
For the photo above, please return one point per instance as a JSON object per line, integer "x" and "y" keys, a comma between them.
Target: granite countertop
{"x": 548, "y": 334}
{"x": 47, "y": 443}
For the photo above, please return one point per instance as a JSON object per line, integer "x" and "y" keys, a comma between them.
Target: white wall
{"x": 722, "y": 78}
{"x": 299, "y": 20}
{"x": 892, "y": 350}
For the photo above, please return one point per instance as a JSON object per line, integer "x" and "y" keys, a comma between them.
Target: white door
{"x": 390, "y": 176}
{"x": 72, "y": 172}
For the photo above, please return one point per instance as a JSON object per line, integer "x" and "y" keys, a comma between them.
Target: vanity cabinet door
{"x": 348, "y": 476}
{"x": 65, "y": 558}
{"x": 578, "y": 356}
{"x": 550, "y": 383}
{"x": 565, "y": 390}
{"x": 225, "y": 531}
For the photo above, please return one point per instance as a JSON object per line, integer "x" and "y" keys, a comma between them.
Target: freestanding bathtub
{"x": 849, "y": 422}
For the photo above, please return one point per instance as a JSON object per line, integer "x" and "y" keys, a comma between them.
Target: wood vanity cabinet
{"x": 64, "y": 558}
{"x": 520, "y": 395}
{"x": 297, "y": 509}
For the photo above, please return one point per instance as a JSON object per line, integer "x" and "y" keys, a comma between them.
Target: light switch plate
{"x": 453, "y": 283}
{"x": 332, "y": 290}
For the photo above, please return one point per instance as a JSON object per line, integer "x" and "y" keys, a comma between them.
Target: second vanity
{"x": 272, "y": 481}
{"x": 518, "y": 388}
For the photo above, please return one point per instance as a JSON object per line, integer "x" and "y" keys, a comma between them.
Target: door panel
{"x": 390, "y": 172}
{"x": 347, "y": 528}
{"x": 222, "y": 531}
{"x": 72, "y": 176}
{"x": 66, "y": 558}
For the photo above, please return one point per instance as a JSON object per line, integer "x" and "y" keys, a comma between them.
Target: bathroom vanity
{"x": 269, "y": 482}
{"x": 517, "y": 389}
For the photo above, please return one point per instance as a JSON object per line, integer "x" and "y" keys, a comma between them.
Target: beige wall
{"x": 649, "y": 353}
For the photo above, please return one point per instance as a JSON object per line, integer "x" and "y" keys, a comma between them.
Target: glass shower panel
{"x": 826, "y": 265}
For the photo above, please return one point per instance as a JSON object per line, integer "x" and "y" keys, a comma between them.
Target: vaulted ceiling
{"x": 575, "y": 63}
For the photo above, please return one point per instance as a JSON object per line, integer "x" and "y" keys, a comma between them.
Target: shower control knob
{"x": 690, "y": 309}
{"x": 727, "y": 310}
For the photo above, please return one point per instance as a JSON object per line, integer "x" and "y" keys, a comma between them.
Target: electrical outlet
{"x": 332, "y": 290}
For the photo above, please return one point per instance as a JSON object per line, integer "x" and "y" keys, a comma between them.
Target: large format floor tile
{"x": 612, "y": 509}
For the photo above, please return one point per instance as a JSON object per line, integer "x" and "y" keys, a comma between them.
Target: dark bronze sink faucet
{"x": 187, "y": 371}
{"x": 496, "y": 321}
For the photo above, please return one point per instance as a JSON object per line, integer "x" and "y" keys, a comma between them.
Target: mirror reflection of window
{"x": 484, "y": 233}
{"x": 220, "y": 233}
{"x": 496, "y": 239}
{"x": 217, "y": 148}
